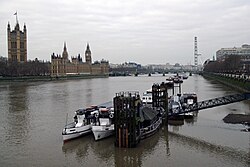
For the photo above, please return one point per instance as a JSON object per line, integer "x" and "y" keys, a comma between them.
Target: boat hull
{"x": 152, "y": 129}
{"x": 75, "y": 132}
{"x": 101, "y": 132}
{"x": 189, "y": 116}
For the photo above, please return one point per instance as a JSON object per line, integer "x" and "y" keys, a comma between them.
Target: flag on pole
{"x": 16, "y": 17}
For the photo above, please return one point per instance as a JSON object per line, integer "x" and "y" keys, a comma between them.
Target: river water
{"x": 33, "y": 115}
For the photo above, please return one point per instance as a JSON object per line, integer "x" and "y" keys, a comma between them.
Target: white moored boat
{"x": 147, "y": 97}
{"x": 83, "y": 121}
{"x": 104, "y": 126}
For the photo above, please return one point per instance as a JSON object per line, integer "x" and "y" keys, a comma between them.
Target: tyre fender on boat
{"x": 111, "y": 115}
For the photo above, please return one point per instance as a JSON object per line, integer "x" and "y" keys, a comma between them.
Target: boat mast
{"x": 66, "y": 119}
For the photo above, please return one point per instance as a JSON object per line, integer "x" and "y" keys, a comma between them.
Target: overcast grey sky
{"x": 142, "y": 31}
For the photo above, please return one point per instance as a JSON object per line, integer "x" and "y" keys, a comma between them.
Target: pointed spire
{"x": 24, "y": 27}
{"x": 8, "y": 26}
{"x": 17, "y": 27}
{"x": 88, "y": 55}
{"x": 87, "y": 46}
{"x": 65, "y": 53}
{"x": 65, "y": 48}
{"x": 88, "y": 49}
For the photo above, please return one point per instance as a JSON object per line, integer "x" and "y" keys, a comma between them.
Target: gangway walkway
{"x": 219, "y": 101}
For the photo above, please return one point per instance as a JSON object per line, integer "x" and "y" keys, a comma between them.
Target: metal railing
{"x": 219, "y": 101}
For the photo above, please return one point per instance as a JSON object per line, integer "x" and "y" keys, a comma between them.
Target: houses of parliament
{"x": 17, "y": 44}
{"x": 62, "y": 66}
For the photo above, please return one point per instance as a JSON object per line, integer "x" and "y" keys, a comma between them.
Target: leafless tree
{"x": 30, "y": 68}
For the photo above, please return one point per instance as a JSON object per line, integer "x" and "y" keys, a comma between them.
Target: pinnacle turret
{"x": 88, "y": 55}
{"x": 8, "y": 26}
{"x": 24, "y": 27}
{"x": 65, "y": 53}
{"x": 17, "y": 43}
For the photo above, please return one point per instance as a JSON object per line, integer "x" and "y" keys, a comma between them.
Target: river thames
{"x": 33, "y": 115}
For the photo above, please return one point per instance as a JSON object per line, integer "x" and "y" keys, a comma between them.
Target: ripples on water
{"x": 33, "y": 114}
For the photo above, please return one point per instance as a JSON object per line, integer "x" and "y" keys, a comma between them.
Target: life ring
{"x": 96, "y": 115}
{"x": 111, "y": 115}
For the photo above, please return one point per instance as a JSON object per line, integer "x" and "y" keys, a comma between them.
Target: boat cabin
{"x": 147, "y": 97}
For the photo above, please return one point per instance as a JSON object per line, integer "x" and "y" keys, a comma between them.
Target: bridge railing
{"x": 219, "y": 101}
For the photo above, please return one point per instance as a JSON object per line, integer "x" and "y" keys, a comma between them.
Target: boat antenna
{"x": 66, "y": 120}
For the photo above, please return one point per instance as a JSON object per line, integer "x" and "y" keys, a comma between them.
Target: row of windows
{"x": 22, "y": 58}
{"x": 245, "y": 51}
{"x": 14, "y": 45}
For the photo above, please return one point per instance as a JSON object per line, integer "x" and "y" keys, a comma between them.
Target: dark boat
{"x": 178, "y": 103}
{"x": 188, "y": 99}
{"x": 150, "y": 120}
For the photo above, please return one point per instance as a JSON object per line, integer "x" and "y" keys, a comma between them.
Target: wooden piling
{"x": 127, "y": 125}
{"x": 160, "y": 98}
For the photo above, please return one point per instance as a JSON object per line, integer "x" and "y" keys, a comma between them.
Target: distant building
{"x": 243, "y": 52}
{"x": 190, "y": 67}
{"x": 177, "y": 66}
{"x": 157, "y": 66}
{"x": 17, "y": 44}
{"x": 238, "y": 58}
{"x": 62, "y": 66}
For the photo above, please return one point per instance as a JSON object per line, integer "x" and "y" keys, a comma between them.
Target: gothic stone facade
{"x": 62, "y": 66}
{"x": 17, "y": 44}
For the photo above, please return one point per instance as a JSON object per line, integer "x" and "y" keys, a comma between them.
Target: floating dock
{"x": 127, "y": 114}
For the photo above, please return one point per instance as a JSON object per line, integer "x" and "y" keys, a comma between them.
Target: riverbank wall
{"x": 49, "y": 78}
{"x": 238, "y": 82}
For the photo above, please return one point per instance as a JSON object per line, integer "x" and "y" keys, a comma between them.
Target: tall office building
{"x": 243, "y": 52}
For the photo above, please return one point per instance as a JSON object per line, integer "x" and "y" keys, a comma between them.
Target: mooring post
{"x": 127, "y": 125}
{"x": 179, "y": 88}
{"x": 166, "y": 107}
{"x": 164, "y": 92}
{"x": 160, "y": 98}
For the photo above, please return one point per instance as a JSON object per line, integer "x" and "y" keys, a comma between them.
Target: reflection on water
{"x": 14, "y": 121}
{"x": 83, "y": 147}
{"x": 33, "y": 115}
{"x": 104, "y": 151}
{"x": 225, "y": 152}
{"x": 80, "y": 147}
{"x": 18, "y": 120}
{"x": 17, "y": 97}
{"x": 131, "y": 157}
{"x": 176, "y": 123}
{"x": 89, "y": 91}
